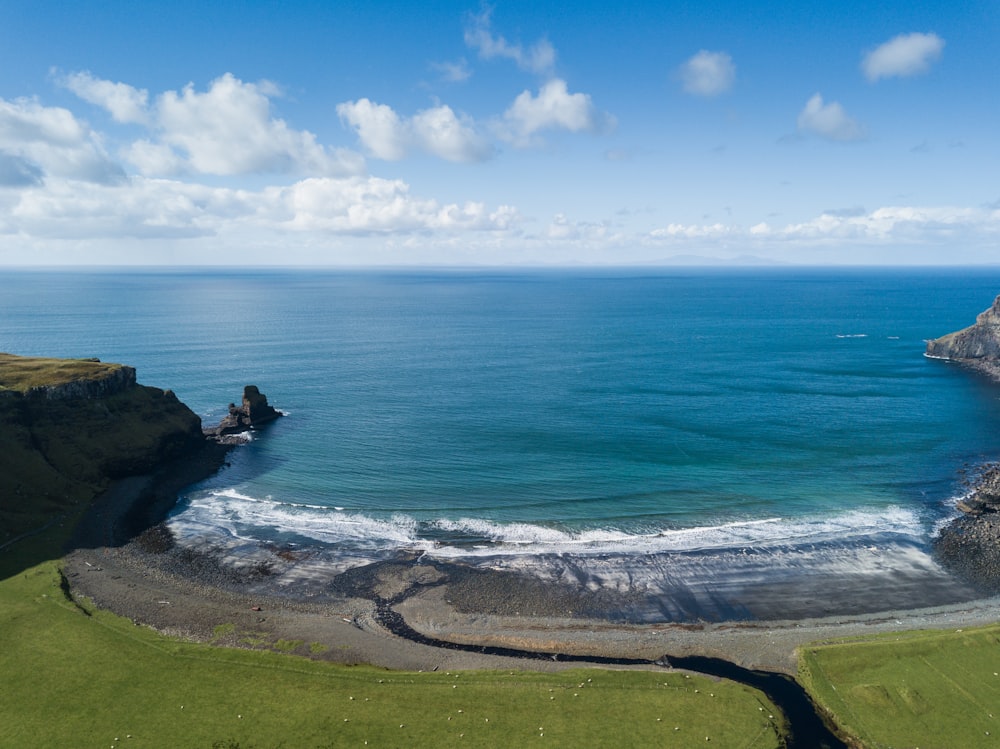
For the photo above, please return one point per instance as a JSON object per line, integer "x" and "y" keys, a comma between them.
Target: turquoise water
{"x": 514, "y": 415}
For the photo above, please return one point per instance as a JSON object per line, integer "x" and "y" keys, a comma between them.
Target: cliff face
{"x": 70, "y": 427}
{"x": 979, "y": 342}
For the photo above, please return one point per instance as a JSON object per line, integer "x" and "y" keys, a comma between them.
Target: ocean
{"x": 713, "y": 444}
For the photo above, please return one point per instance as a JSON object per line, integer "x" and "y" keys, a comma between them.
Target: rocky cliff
{"x": 70, "y": 427}
{"x": 977, "y": 346}
{"x": 970, "y": 544}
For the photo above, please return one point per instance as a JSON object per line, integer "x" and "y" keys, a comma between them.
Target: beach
{"x": 142, "y": 575}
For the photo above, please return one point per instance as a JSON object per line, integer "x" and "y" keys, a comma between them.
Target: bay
{"x": 513, "y": 416}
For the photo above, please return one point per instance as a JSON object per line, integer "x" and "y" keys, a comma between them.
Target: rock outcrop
{"x": 252, "y": 413}
{"x": 970, "y": 544}
{"x": 977, "y": 346}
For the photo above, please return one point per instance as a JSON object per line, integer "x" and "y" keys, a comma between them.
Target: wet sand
{"x": 143, "y": 575}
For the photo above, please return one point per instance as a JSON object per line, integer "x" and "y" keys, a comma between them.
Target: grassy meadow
{"x": 73, "y": 676}
{"x": 918, "y": 689}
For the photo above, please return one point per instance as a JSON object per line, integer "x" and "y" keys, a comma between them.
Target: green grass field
{"x": 21, "y": 373}
{"x": 74, "y": 678}
{"x": 919, "y": 689}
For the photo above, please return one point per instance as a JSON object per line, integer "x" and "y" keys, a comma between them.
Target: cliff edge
{"x": 977, "y": 346}
{"x": 69, "y": 427}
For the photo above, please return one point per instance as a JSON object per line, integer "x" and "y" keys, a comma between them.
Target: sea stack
{"x": 253, "y": 412}
{"x": 977, "y": 346}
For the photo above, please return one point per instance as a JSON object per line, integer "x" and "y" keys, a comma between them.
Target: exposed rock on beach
{"x": 970, "y": 544}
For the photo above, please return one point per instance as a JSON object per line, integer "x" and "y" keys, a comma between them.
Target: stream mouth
{"x": 805, "y": 728}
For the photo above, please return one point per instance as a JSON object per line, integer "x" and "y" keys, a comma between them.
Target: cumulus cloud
{"x": 829, "y": 121}
{"x": 438, "y": 131}
{"x": 39, "y": 141}
{"x": 708, "y": 73}
{"x": 539, "y": 58}
{"x": 379, "y": 128}
{"x": 125, "y": 103}
{"x": 554, "y": 108}
{"x": 229, "y": 130}
{"x": 443, "y": 133}
{"x": 226, "y": 130}
{"x": 903, "y": 55}
{"x": 371, "y": 205}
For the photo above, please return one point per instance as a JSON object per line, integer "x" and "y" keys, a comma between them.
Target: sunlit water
{"x": 710, "y": 439}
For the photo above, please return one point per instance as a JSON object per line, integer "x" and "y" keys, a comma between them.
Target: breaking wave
{"x": 231, "y": 514}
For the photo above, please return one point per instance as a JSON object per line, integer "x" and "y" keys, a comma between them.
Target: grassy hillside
{"x": 75, "y": 676}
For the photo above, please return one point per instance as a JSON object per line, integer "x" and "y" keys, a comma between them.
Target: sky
{"x": 504, "y": 134}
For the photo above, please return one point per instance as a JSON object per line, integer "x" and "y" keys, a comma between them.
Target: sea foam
{"x": 232, "y": 513}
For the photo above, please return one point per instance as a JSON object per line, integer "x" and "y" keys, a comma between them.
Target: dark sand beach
{"x": 126, "y": 562}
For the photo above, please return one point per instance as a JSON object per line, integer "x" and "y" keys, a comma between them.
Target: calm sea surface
{"x": 598, "y": 418}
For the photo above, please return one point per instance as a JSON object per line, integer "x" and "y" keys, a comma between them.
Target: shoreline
{"x": 143, "y": 576}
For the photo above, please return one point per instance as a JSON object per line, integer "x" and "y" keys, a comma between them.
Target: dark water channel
{"x": 805, "y": 727}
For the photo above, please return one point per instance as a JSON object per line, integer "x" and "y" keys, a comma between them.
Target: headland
{"x": 970, "y": 544}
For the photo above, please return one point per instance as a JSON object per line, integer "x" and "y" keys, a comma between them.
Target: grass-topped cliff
{"x": 68, "y": 427}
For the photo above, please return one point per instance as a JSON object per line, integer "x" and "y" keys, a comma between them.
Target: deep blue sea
{"x": 706, "y": 431}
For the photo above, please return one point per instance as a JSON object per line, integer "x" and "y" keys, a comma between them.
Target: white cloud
{"x": 829, "y": 121}
{"x": 154, "y": 158}
{"x": 554, "y": 108}
{"x": 42, "y": 141}
{"x": 437, "y": 130}
{"x": 322, "y": 206}
{"x": 888, "y": 225}
{"x": 370, "y": 205}
{"x": 441, "y": 132}
{"x": 228, "y": 130}
{"x": 895, "y": 223}
{"x": 708, "y": 73}
{"x": 903, "y": 55}
{"x": 539, "y": 58}
{"x": 124, "y": 102}
{"x": 379, "y": 128}
{"x": 694, "y": 231}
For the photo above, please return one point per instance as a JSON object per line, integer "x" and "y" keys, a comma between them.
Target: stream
{"x": 805, "y": 728}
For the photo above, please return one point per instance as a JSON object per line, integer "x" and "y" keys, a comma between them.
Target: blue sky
{"x": 515, "y": 133}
